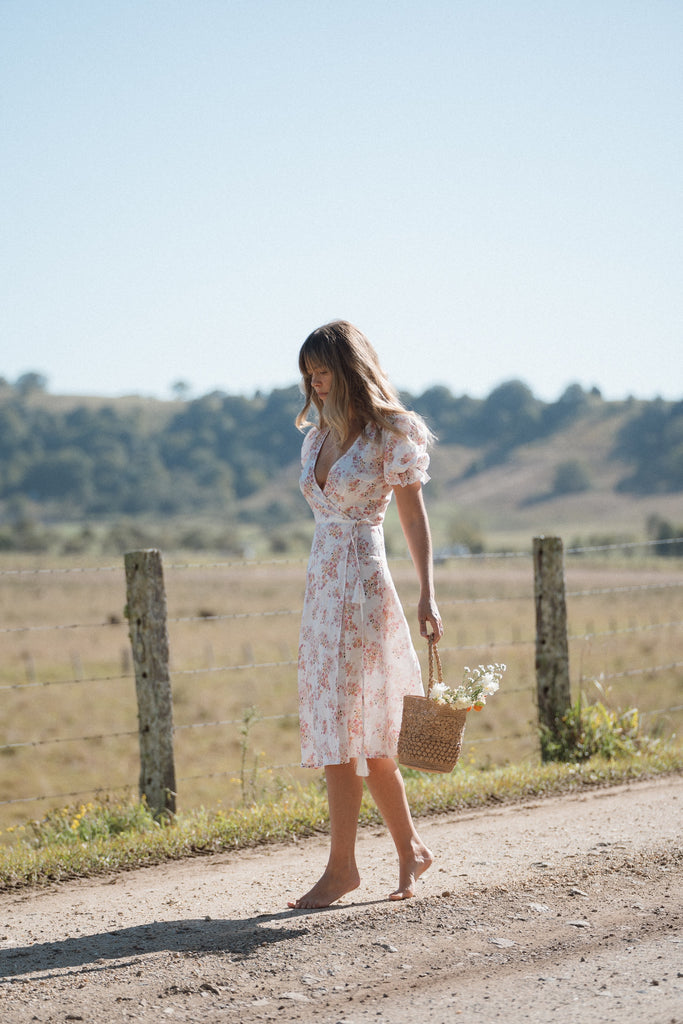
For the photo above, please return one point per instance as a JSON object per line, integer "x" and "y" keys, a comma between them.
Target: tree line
{"x": 216, "y": 451}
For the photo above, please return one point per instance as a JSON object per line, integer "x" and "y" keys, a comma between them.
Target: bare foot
{"x": 328, "y": 889}
{"x": 409, "y": 872}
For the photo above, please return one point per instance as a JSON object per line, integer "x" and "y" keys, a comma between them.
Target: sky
{"x": 489, "y": 189}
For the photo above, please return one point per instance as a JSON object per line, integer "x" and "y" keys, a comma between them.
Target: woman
{"x": 356, "y": 658}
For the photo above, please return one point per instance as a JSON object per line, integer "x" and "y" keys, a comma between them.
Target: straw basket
{"x": 431, "y": 734}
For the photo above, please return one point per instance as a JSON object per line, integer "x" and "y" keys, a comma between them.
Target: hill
{"x": 524, "y": 497}
{"x": 221, "y": 471}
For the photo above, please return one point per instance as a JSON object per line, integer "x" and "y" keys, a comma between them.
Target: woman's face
{"x": 321, "y": 382}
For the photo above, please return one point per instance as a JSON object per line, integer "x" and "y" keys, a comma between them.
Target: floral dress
{"x": 356, "y": 658}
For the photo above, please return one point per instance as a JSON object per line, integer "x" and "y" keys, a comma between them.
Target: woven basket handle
{"x": 433, "y": 656}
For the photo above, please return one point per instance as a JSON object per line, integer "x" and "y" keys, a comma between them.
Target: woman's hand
{"x": 428, "y": 615}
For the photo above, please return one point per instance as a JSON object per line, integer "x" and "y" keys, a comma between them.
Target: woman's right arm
{"x": 412, "y": 515}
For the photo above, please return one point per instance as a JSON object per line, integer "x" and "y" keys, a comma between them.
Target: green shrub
{"x": 590, "y": 730}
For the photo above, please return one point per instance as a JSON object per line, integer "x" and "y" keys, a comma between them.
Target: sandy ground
{"x": 564, "y": 910}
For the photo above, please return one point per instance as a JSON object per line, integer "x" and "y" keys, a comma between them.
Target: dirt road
{"x": 566, "y": 910}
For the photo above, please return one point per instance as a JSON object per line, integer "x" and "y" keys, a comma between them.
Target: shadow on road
{"x": 95, "y": 952}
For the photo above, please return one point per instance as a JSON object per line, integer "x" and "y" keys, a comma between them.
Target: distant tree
{"x": 569, "y": 406}
{"x": 573, "y": 397}
{"x": 453, "y": 420}
{"x": 181, "y": 390}
{"x": 510, "y": 415}
{"x": 28, "y": 383}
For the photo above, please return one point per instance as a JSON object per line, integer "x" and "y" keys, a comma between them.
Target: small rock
{"x": 540, "y": 908}
{"x": 206, "y": 986}
{"x": 579, "y": 924}
{"x": 578, "y": 892}
{"x": 503, "y": 943}
{"x": 296, "y": 997}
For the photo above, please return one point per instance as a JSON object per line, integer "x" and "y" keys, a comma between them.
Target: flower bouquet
{"x": 433, "y": 727}
{"x": 477, "y": 684}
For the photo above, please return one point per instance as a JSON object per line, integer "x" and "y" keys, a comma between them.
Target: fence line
{"x": 67, "y": 570}
{"x": 72, "y": 625}
{"x": 619, "y": 545}
{"x": 68, "y": 739}
{"x": 265, "y": 718}
{"x": 507, "y": 692}
{"x": 236, "y": 721}
{"x": 484, "y": 645}
{"x": 247, "y": 563}
{"x": 53, "y": 740}
{"x": 66, "y": 682}
{"x": 64, "y": 796}
{"x": 650, "y": 670}
{"x": 628, "y": 629}
{"x": 234, "y": 616}
{"x": 625, "y": 590}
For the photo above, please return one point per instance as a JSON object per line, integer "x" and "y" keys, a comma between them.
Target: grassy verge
{"x": 106, "y": 837}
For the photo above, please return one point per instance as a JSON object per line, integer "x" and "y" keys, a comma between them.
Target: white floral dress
{"x": 356, "y": 657}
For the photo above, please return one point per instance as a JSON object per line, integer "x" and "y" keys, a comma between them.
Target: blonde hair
{"x": 360, "y": 388}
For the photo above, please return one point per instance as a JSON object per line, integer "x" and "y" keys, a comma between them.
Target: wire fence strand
{"x": 242, "y": 563}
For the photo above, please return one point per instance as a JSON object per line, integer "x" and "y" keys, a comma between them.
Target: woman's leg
{"x": 385, "y": 783}
{"x": 344, "y": 793}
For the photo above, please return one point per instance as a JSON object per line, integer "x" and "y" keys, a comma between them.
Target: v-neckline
{"x": 336, "y": 462}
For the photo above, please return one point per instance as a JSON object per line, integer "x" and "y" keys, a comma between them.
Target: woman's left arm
{"x": 412, "y": 515}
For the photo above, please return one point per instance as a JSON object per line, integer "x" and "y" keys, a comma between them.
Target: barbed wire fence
{"x": 583, "y": 649}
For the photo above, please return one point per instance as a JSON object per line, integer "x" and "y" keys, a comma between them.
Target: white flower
{"x": 489, "y": 684}
{"x": 438, "y": 692}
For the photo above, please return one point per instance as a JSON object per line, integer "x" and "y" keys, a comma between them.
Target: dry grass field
{"x": 69, "y": 716}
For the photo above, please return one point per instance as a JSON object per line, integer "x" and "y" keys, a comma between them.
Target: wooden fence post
{"x": 146, "y": 613}
{"x": 552, "y": 650}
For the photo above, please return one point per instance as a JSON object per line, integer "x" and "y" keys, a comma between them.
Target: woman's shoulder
{"x": 412, "y": 426}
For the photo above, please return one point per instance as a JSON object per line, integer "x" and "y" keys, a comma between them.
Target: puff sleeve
{"x": 406, "y": 455}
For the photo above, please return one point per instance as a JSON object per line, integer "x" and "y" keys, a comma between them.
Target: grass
{"x": 105, "y": 837}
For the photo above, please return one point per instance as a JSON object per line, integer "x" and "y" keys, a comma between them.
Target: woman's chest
{"x": 356, "y": 478}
